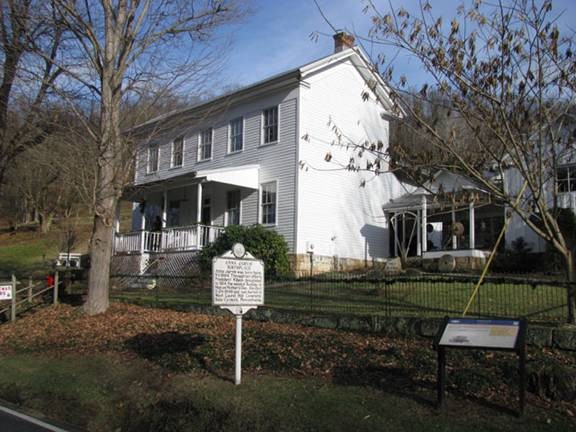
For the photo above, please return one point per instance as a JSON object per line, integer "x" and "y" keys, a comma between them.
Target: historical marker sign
{"x": 6, "y": 292}
{"x": 237, "y": 285}
{"x": 237, "y": 282}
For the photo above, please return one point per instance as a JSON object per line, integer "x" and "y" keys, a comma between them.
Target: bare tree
{"x": 506, "y": 74}
{"x": 124, "y": 47}
{"x": 30, "y": 42}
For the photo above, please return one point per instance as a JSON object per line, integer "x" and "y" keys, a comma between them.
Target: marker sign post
{"x": 482, "y": 334}
{"x": 238, "y": 286}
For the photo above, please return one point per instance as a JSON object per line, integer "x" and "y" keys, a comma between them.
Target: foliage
{"x": 264, "y": 244}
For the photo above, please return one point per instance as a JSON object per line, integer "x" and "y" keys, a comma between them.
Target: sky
{"x": 275, "y": 36}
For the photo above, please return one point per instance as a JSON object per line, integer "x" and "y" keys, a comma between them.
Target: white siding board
{"x": 335, "y": 213}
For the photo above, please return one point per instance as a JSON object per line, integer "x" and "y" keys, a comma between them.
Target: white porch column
{"x": 164, "y": 207}
{"x": 199, "y": 203}
{"x": 472, "y": 227}
{"x": 117, "y": 219}
{"x": 198, "y": 215}
{"x": 418, "y": 235}
{"x": 454, "y": 238}
{"x": 424, "y": 225}
{"x": 396, "y": 236}
{"x": 142, "y": 230}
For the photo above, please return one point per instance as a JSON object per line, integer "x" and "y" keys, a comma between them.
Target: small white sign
{"x": 237, "y": 282}
{"x": 6, "y": 292}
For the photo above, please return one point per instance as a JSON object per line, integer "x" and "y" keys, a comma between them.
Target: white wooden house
{"x": 257, "y": 156}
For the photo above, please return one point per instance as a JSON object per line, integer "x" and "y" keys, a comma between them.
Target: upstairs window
{"x": 270, "y": 125}
{"x": 177, "y": 152}
{"x": 566, "y": 178}
{"x": 232, "y": 208}
{"x": 236, "y": 135}
{"x": 153, "y": 159}
{"x": 268, "y": 203}
{"x": 205, "y": 145}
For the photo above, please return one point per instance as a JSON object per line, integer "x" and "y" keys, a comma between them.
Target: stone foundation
{"x": 463, "y": 264}
{"x": 306, "y": 265}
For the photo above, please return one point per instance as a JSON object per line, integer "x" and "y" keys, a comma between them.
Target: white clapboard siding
{"x": 277, "y": 162}
{"x": 335, "y": 213}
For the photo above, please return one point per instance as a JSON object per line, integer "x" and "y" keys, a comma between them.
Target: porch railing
{"x": 169, "y": 239}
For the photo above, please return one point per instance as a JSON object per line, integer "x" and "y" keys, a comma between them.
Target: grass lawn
{"x": 139, "y": 369}
{"x": 401, "y": 298}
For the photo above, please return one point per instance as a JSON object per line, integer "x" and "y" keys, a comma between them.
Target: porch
{"x": 451, "y": 218}
{"x": 187, "y": 212}
{"x": 173, "y": 239}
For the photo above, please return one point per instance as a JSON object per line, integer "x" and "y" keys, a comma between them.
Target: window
{"x": 177, "y": 152}
{"x": 270, "y": 125}
{"x": 268, "y": 203}
{"x": 205, "y": 147}
{"x": 566, "y": 178}
{"x": 232, "y": 208}
{"x": 153, "y": 158}
{"x": 236, "y": 132}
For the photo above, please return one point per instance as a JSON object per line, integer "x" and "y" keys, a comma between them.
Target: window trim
{"x": 200, "y": 147}
{"x": 569, "y": 179}
{"x": 260, "y": 212}
{"x": 149, "y": 153}
{"x": 229, "y": 146}
{"x": 262, "y": 134}
{"x": 226, "y": 217}
{"x": 172, "y": 166}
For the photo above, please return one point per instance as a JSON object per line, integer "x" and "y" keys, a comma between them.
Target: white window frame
{"x": 226, "y": 211}
{"x": 262, "y": 126}
{"x": 230, "y": 150}
{"x": 149, "y": 160}
{"x": 172, "y": 165}
{"x": 260, "y": 204}
{"x": 570, "y": 179}
{"x": 201, "y": 146}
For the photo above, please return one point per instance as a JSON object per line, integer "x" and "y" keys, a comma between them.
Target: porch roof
{"x": 245, "y": 176}
{"x": 442, "y": 182}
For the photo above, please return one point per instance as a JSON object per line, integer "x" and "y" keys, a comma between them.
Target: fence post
{"x": 56, "y": 282}
{"x": 571, "y": 300}
{"x": 29, "y": 290}
{"x": 13, "y": 308}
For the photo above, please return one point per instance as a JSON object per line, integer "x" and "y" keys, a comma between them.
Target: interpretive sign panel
{"x": 6, "y": 292}
{"x": 481, "y": 333}
{"x": 237, "y": 282}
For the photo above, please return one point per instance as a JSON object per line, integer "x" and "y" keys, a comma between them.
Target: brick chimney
{"x": 343, "y": 40}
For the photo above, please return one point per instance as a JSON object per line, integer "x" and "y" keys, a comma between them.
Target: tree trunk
{"x": 99, "y": 274}
{"x": 45, "y": 222}
{"x": 571, "y": 277}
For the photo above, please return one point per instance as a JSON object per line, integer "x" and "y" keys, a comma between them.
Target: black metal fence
{"x": 426, "y": 295}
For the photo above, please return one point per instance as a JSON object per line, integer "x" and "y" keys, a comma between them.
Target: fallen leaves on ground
{"x": 182, "y": 342}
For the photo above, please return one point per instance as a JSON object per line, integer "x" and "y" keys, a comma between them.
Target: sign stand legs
{"x": 238, "y": 363}
{"x": 440, "y": 382}
{"x": 522, "y": 377}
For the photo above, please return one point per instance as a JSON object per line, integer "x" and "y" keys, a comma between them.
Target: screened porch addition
{"x": 449, "y": 215}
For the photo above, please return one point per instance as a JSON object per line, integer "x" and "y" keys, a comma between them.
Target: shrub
{"x": 264, "y": 244}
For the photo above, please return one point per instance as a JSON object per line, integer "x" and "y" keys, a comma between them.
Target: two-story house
{"x": 259, "y": 156}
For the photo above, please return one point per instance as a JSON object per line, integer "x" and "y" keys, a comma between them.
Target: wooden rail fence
{"x": 25, "y": 296}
